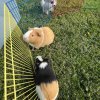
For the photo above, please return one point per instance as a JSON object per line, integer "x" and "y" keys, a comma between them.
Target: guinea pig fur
{"x": 48, "y": 5}
{"x": 47, "y": 86}
{"x": 39, "y": 37}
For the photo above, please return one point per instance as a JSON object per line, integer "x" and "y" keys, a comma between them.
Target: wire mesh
{"x": 13, "y": 8}
{"x": 18, "y": 75}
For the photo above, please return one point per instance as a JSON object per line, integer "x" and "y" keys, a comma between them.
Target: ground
{"x": 75, "y": 53}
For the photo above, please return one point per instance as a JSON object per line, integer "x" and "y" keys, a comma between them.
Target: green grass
{"x": 92, "y": 4}
{"x": 75, "y": 53}
{"x": 1, "y": 74}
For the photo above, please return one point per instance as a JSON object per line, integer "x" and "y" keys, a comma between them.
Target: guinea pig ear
{"x": 48, "y": 60}
{"x": 38, "y": 33}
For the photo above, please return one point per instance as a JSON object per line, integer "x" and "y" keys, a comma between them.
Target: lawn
{"x": 75, "y": 53}
{"x": 1, "y": 73}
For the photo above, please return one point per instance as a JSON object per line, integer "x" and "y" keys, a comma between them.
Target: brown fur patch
{"x": 41, "y": 37}
{"x": 50, "y": 90}
{"x": 35, "y": 37}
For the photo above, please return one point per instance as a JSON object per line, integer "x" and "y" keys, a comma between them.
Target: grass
{"x": 75, "y": 53}
{"x": 1, "y": 74}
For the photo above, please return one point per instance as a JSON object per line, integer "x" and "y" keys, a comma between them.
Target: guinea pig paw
{"x": 33, "y": 49}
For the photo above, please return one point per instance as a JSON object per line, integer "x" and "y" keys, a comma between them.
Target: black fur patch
{"x": 45, "y": 75}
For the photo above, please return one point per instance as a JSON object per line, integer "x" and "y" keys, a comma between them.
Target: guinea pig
{"x": 46, "y": 82}
{"x": 39, "y": 37}
{"x": 48, "y": 5}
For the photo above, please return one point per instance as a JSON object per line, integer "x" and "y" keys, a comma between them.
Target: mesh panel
{"x": 18, "y": 74}
{"x": 13, "y": 8}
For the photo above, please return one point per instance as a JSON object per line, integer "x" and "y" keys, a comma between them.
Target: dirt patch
{"x": 65, "y": 6}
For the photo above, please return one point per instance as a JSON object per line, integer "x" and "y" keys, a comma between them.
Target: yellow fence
{"x": 18, "y": 73}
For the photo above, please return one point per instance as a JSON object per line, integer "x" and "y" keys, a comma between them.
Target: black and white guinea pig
{"x": 47, "y": 86}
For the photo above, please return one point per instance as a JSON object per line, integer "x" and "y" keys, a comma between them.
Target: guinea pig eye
{"x": 52, "y": 2}
{"x": 32, "y": 35}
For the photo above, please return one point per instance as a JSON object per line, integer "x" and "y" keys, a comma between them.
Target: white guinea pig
{"x": 39, "y": 37}
{"x": 47, "y": 86}
{"x": 48, "y": 5}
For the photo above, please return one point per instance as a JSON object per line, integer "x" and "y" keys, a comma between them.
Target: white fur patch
{"x": 43, "y": 65}
{"x": 40, "y": 58}
{"x": 40, "y": 93}
{"x": 26, "y": 35}
{"x": 42, "y": 2}
{"x": 36, "y": 28}
{"x": 55, "y": 2}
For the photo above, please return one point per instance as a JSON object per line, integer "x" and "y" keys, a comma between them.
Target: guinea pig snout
{"x": 25, "y": 38}
{"x": 54, "y": 5}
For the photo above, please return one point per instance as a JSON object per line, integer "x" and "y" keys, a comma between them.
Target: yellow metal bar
{"x": 17, "y": 60}
{"x": 18, "y": 66}
{"x": 19, "y": 49}
{"x": 27, "y": 69}
{"x": 8, "y": 46}
{"x": 16, "y": 56}
{"x": 21, "y": 54}
{"x": 36, "y": 98}
{"x": 9, "y": 68}
{"x": 12, "y": 56}
{"x": 25, "y": 87}
{"x": 21, "y": 65}
{"x": 30, "y": 94}
{"x": 18, "y": 45}
{"x": 18, "y": 63}
{"x": 10, "y": 93}
{"x": 5, "y": 84}
{"x": 20, "y": 79}
{"x": 25, "y": 92}
{"x": 20, "y": 84}
{"x": 19, "y": 70}
{"x": 8, "y": 51}
{"x": 18, "y": 74}
{"x": 16, "y": 37}
{"x": 17, "y": 30}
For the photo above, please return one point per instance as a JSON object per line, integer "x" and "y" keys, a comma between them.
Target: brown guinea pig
{"x": 39, "y": 37}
